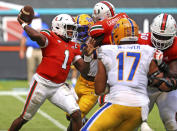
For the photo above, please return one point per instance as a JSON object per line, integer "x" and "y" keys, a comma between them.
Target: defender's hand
{"x": 89, "y": 47}
{"x": 158, "y": 56}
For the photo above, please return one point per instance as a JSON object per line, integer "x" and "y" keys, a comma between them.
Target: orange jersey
{"x": 105, "y": 27}
{"x": 170, "y": 53}
{"x": 57, "y": 58}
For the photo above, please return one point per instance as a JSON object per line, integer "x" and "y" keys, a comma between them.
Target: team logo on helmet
{"x": 124, "y": 30}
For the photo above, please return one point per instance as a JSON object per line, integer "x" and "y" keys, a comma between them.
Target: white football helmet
{"x": 103, "y": 10}
{"x": 163, "y": 31}
{"x": 62, "y": 24}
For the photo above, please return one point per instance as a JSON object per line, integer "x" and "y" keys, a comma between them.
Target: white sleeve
{"x": 77, "y": 57}
{"x": 107, "y": 61}
{"x": 149, "y": 56}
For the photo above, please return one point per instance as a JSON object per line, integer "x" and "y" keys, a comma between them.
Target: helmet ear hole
{"x": 118, "y": 41}
{"x": 98, "y": 11}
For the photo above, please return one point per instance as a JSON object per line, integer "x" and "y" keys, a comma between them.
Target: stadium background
{"x": 13, "y": 70}
{"x": 142, "y": 11}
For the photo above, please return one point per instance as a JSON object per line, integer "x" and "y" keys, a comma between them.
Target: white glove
{"x": 158, "y": 56}
{"x": 145, "y": 127}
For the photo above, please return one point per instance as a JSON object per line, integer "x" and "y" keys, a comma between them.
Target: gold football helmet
{"x": 84, "y": 22}
{"x": 125, "y": 29}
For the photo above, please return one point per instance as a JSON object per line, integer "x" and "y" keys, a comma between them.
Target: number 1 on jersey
{"x": 120, "y": 58}
{"x": 66, "y": 59}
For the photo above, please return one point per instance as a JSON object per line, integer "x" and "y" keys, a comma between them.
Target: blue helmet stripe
{"x": 133, "y": 32}
{"x": 78, "y": 19}
{"x": 112, "y": 38}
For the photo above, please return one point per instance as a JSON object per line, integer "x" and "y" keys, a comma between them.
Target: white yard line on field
{"x": 10, "y": 93}
{"x": 16, "y": 95}
{"x": 55, "y": 122}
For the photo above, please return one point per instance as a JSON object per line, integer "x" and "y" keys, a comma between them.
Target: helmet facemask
{"x": 84, "y": 22}
{"x": 82, "y": 33}
{"x": 71, "y": 31}
{"x": 161, "y": 42}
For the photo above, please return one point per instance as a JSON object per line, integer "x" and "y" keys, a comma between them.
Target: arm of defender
{"x": 100, "y": 79}
{"x": 158, "y": 79}
{"x": 83, "y": 65}
{"x": 172, "y": 69}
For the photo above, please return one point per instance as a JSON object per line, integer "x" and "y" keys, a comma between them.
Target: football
{"x": 27, "y": 14}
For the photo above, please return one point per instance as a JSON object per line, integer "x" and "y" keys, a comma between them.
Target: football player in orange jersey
{"x": 163, "y": 37}
{"x": 105, "y": 18}
{"x": 58, "y": 52}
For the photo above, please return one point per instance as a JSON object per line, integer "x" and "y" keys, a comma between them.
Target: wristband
{"x": 87, "y": 58}
{"x": 23, "y": 25}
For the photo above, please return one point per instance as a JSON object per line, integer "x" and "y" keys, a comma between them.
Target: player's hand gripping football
{"x": 26, "y": 15}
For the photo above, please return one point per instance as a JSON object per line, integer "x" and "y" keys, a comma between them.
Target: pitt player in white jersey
{"x": 125, "y": 68}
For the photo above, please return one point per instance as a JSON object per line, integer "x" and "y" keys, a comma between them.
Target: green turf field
{"x": 49, "y": 118}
